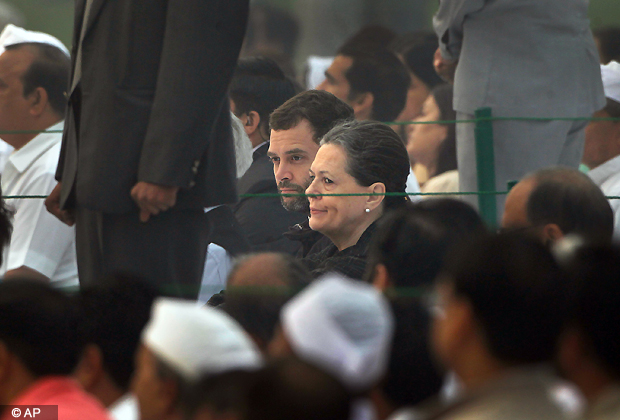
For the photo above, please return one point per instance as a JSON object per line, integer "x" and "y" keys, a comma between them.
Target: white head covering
{"x": 611, "y": 80}
{"x": 344, "y": 326}
{"x": 15, "y": 35}
{"x": 196, "y": 340}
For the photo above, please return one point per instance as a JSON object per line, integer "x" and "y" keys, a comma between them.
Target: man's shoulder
{"x": 522, "y": 398}
{"x": 258, "y": 178}
{"x": 73, "y": 402}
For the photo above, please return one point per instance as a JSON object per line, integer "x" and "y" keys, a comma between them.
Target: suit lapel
{"x": 78, "y": 37}
{"x": 94, "y": 12}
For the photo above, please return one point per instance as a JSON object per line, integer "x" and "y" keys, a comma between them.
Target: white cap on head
{"x": 196, "y": 340}
{"x": 611, "y": 80}
{"x": 15, "y": 35}
{"x": 343, "y": 326}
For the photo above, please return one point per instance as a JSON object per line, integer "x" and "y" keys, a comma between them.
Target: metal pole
{"x": 485, "y": 166}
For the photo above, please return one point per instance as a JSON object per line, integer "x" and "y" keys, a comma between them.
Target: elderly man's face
{"x": 14, "y": 107}
{"x": 292, "y": 152}
{"x": 156, "y": 396}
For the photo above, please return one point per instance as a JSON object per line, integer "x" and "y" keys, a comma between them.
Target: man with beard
{"x": 297, "y": 127}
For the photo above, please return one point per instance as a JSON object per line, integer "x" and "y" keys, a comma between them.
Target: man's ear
{"x": 38, "y": 100}
{"x": 374, "y": 201}
{"x": 552, "y": 233}
{"x": 381, "y": 278}
{"x": 251, "y": 122}
{"x": 362, "y": 106}
{"x": 90, "y": 367}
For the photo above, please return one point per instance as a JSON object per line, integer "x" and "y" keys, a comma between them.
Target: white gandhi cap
{"x": 611, "y": 80}
{"x": 196, "y": 340}
{"x": 15, "y": 35}
{"x": 343, "y": 326}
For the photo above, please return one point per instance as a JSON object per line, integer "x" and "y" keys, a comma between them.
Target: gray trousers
{"x": 169, "y": 250}
{"x": 521, "y": 147}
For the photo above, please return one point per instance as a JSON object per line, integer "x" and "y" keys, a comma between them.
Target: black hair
{"x": 412, "y": 375}
{"x": 221, "y": 393}
{"x": 321, "y": 109}
{"x": 374, "y": 153}
{"x": 612, "y": 108}
{"x": 446, "y": 160}
{"x": 404, "y": 41}
{"x": 113, "y": 314}
{"x": 609, "y": 43}
{"x": 595, "y": 308}
{"x": 419, "y": 59}
{"x": 293, "y": 389}
{"x": 258, "y": 84}
{"x": 380, "y": 72}
{"x": 569, "y": 198}
{"x": 518, "y": 294}
{"x": 50, "y": 70}
{"x": 412, "y": 242}
{"x": 374, "y": 36}
{"x": 38, "y": 324}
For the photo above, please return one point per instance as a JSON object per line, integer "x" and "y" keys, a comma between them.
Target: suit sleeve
{"x": 448, "y": 24}
{"x": 200, "y": 49}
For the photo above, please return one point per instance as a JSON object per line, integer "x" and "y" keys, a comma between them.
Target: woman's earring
{"x": 367, "y": 210}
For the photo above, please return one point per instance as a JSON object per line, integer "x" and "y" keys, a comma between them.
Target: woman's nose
{"x": 312, "y": 190}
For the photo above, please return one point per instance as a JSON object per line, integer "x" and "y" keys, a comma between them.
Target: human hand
{"x": 444, "y": 68}
{"x": 153, "y": 198}
{"x": 52, "y": 203}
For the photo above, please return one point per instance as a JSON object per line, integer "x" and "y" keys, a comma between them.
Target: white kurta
{"x": 39, "y": 240}
{"x": 607, "y": 177}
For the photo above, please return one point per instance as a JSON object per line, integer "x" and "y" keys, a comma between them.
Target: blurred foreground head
{"x": 502, "y": 303}
{"x": 182, "y": 343}
{"x": 342, "y": 326}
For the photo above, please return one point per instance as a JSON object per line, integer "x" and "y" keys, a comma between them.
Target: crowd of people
{"x": 221, "y": 242}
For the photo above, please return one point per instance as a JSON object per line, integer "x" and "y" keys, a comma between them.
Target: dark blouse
{"x": 350, "y": 261}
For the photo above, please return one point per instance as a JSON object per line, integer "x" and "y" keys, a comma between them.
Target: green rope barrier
{"x": 276, "y": 195}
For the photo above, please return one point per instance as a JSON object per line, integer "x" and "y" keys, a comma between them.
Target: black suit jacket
{"x": 263, "y": 219}
{"x": 151, "y": 104}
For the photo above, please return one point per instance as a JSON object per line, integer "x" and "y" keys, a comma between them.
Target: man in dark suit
{"x": 147, "y": 142}
{"x": 258, "y": 87}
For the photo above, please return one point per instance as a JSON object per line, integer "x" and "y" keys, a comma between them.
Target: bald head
{"x": 258, "y": 286}
{"x": 267, "y": 269}
{"x": 559, "y": 201}
{"x": 515, "y": 210}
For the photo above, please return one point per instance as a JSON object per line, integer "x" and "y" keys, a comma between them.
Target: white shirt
{"x": 39, "y": 240}
{"x": 217, "y": 267}
{"x": 413, "y": 186}
{"x": 607, "y": 177}
{"x": 5, "y": 152}
{"x": 125, "y": 408}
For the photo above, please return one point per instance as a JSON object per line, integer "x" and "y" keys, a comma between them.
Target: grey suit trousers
{"x": 521, "y": 147}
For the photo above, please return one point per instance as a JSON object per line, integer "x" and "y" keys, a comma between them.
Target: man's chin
{"x": 296, "y": 206}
